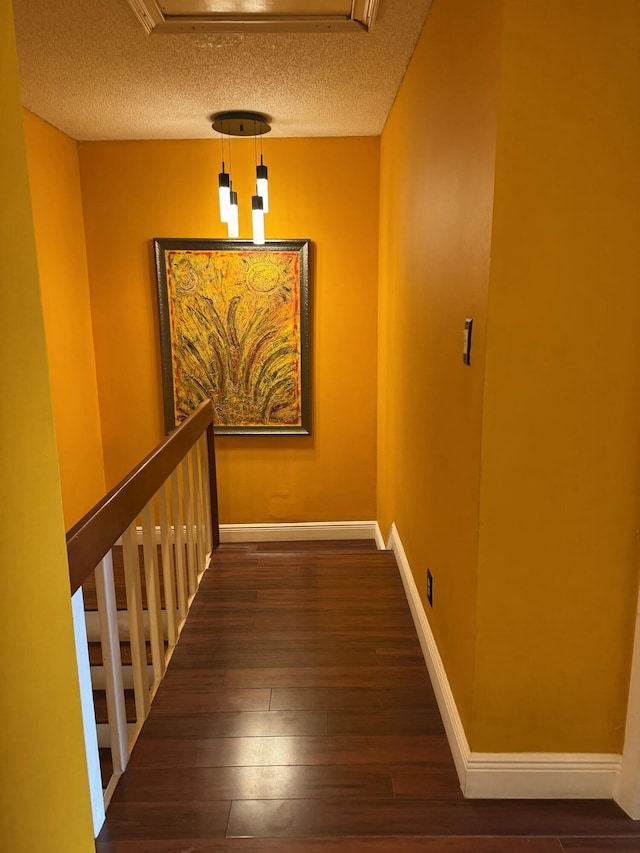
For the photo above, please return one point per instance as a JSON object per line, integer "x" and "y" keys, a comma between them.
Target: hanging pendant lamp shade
{"x": 257, "y": 215}
{"x": 224, "y": 194}
{"x": 262, "y": 182}
{"x": 233, "y": 226}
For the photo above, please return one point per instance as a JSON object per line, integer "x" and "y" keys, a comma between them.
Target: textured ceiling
{"x": 89, "y": 68}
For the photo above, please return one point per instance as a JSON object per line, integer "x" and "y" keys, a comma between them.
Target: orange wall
{"x": 517, "y": 480}
{"x": 437, "y": 173}
{"x": 54, "y": 177}
{"x": 560, "y": 496}
{"x": 324, "y": 189}
{"x": 43, "y": 776}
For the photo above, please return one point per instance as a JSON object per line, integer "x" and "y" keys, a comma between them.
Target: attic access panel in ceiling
{"x": 208, "y": 16}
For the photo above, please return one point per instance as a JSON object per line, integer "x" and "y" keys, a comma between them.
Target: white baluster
{"x": 178, "y": 538}
{"x": 168, "y": 566}
{"x": 152, "y": 585}
{"x": 136, "y": 622}
{"x": 187, "y": 492}
{"x": 112, "y": 664}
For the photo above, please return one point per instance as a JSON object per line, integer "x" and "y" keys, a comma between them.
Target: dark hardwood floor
{"x": 297, "y": 715}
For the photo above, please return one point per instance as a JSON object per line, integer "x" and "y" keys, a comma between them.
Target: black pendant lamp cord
{"x": 255, "y": 145}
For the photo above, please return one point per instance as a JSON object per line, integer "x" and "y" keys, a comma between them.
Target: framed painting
{"x": 234, "y": 327}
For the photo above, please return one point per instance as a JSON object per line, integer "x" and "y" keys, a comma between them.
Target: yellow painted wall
{"x": 43, "y": 777}
{"x": 437, "y": 174}
{"x": 517, "y": 480}
{"x": 323, "y": 189}
{"x": 54, "y": 176}
{"x": 559, "y": 504}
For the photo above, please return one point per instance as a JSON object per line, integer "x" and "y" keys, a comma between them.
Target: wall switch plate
{"x": 466, "y": 351}
{"x": 429, "y": 588}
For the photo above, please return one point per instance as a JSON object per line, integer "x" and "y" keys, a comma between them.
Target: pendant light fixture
{"x": 262, "y": 181}
{"x": 243, "y": 124}
{"x": 257, "y": 218}
{"x": 232, "y": 219}
{"x": 224, "y": 188}
{"x": 224, "y": 194}
{"x": 233, "y": 226}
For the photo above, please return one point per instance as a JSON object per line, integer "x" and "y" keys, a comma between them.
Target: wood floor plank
{"x": 382, "y": 722}
{"x": 291, "y": 698}
{"x": 240, "y": 649}
{"x": 399, "y": 655}
{"x": 256, "y": 576}
{"x": 218, "y": 623}
{"x": 234, "y": 596}
{"x": 312, "y": 545}
{"x": 600, "y": 845}
{"x": 339, "y": 845}
{"x": 328, "y": 676}
{"x": 304, "y": 630}
{"x": 301, "y": 574}
{"x": 259, "y": 751}
{"x": 342, "y": 571}
{"x": 236, "y": 724}
{"x": 162, "y": 820}
{"x": 218, "y": 699}
{"x": 250, "y": 783}
{"x": 417, "y": 696}
{"x": 350, "y": 611}
{"x": 332, "y": 597}
{"x": 265, "y": 658}
{"x": 201, "y": 640}
{"x": 202, "y": 624}
{"x": 423, "y": 817}
{"x": 195, "y": 680}
{"x": 418, "y": 781}
{"x": 283, "y": 619}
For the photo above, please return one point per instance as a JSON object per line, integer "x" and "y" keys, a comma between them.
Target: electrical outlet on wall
{"x": 429, "y": 588}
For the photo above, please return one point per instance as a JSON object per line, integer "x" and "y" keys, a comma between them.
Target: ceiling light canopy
{"x": 243, "y": 16}
{"x": 238, "y": 123}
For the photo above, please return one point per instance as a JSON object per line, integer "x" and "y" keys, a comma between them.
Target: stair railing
{"x": 164, "y": 517}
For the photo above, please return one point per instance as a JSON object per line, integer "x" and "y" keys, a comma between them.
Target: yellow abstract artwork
{"x": 237, "y": 322}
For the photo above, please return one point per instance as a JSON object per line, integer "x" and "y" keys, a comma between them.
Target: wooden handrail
{"x": 90, "y": 539}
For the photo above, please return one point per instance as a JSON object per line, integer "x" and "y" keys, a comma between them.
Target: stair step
{"x": 92, "y": 622}
{"x": 106, "y": 765}
{"x": 100, "y": 705}
{"x": 95, "y": 654}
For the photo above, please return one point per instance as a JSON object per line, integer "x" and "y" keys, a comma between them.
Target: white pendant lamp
{"x": 262, "y": 184}
{"x": 224, "y": 194}
{"x": 232, "y": 223}
{"x": 257, "y": 216}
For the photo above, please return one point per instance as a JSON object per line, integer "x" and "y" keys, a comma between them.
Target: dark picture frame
{"x": 234, "y": 326}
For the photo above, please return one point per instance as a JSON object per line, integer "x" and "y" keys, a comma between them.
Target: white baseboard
{"x": 502, "y": 775}
{"x": 299, "y": 531}
{"x": 302, "y": 531}
{"x": 446, "y": 703}
{"x": 541, "y": 776}
{"x": 379, "y": 538}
